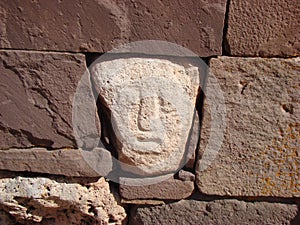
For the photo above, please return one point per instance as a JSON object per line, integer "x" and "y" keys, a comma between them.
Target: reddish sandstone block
{"x": 37, "y": 91}
{"x": 98, "y": 26}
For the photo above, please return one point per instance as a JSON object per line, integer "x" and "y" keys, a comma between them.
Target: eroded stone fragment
{"x": 37, "y": 91}
{"x": 100, "y": 25}
{"x": 264, "y": 28}
{"x": 31, "y": 200}
{"x": 260, "y": 153}
{"x": 152, "y": 103}
{"x": 67, "y": 162}
{"x": 186, "y": 175}
{"x": 215, "y": 212}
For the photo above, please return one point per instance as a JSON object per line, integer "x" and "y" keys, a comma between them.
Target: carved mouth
{"x": 157, "y": 140}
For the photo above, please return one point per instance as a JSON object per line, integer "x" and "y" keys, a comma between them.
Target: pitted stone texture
{"x": 170, "y": 189}
{"x": 264, "y": 28}
{"x": 67, "y": 162}
{"x": 152, "y": 103}
{"x": 45, "y": 201}
{"x": 215, "y": 212}
{"x": 65, "y": 26}
{"x": 260, "y": 154}
{"x": 37, "y": 95}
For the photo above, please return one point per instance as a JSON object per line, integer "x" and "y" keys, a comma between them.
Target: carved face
{"x": 152, "y": 104}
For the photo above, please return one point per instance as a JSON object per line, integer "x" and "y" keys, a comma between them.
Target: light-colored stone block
{"x": 34, "y": 200}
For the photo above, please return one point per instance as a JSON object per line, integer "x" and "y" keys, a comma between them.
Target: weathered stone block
{"x": 98, "y": 26}
{"x": 215, "y": 212}
{"x": 260, "y": 153}
{"x": 35, "y": 200}
{"x": 37, "y": 91}
{"x": 263, "y": 28}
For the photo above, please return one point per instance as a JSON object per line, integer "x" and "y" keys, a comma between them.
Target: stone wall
{"x": 228, "y": 103}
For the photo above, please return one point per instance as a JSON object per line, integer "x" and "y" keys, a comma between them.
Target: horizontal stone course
{"x": 259, "y": 155}
{"x": 215, "y": 212}
{"x": 170, "y": 189}
{"x": 67, "y": 162}
{"x": 98, "y": 26}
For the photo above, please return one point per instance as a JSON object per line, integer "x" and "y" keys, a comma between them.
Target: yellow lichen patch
{"x": 280, "y": 171}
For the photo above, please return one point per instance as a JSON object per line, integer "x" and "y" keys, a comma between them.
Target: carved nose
{"x": 148, "y": 111}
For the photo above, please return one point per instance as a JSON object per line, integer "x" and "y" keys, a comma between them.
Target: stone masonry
{"x": 149, "y": 112}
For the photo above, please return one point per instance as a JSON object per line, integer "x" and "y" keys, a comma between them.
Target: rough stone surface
{"x": 169, "y": 189}
{"x": 46, "y": 201}
{"x": 264, "y": 28}
{"x": 36, "y": 101}
{"x": 68, "y": 162}
{"x": 260, "y": 154}
{"x": 215, "y": 212}
{"x": 99, "y": 25}
{"x": 151, "y": 120}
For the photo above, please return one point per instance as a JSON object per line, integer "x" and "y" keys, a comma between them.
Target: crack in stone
{"x": 34, "y": 141}
{"x": 37, "y": 141}
{"x": 225, "y": 45}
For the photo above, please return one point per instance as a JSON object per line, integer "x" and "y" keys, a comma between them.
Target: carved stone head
{"x": 152, "y": 104}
